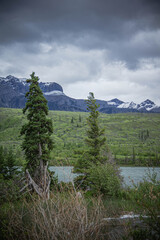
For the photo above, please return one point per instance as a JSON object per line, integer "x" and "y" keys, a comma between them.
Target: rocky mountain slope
{"x": 12, "y": 95}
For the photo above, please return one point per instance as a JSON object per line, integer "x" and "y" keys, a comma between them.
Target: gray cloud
{"x": 89, "y": 24}
{"x": 84, "y": 44}
{"x": 111, "y": 18}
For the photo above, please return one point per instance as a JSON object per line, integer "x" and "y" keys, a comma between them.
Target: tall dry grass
{"x": 65, "y": 216}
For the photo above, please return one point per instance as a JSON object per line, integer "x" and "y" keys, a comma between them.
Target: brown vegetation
{"x": 64, "y": 216}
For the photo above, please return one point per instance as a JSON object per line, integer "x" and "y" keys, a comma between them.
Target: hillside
{"x": 133, "y": 138}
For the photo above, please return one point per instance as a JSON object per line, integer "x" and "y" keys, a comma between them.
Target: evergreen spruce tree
{"x": 98, "y": 176}
{"x": 80, "y": 118}
{"x": 37, "y": 142}
{"x": 72, "y": 120}
{"x": 95, "y": 135}
{"x": 95, "y": 139}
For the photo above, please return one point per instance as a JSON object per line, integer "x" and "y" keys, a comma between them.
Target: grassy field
{"x": 132, "y": 138}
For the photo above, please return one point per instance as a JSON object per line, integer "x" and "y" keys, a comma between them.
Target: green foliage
{"x": 104, "y": 179}
{"x": 8, "y": 166}
{"x": 9, "y": 190}
{"x": 95, "y": 135}
{"x": 11, "y": 162}
{"x": 9, "y": 176}
{"x": 147, "y": 197}
{"x": 83, "y": 162}
{"x": 100, "y": 179}
{"x": 140, "y": 234}
{"x": 37, "y": 142}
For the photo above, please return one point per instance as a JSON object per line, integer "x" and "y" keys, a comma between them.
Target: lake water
{"x": 129, "y": 174}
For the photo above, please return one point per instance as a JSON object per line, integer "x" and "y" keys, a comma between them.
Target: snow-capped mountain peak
{"x": 147, "y": 104}
{"x": 12, "y": 78}
{"x": 130, "y": 105}
{"x": 115, "y": 102}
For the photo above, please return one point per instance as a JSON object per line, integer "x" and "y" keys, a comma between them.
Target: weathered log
{"x": 41, "y": 189}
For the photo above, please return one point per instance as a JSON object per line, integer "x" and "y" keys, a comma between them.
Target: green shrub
{"x": 8, "y": 168}
{"x": 9, "y": 190}
{"x": 105, "y": 179}
{"x": 146, "y": 194}
{"x": 101, "y": 179}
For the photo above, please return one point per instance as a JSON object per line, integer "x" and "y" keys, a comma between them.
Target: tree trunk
{"x": 40, "y": 183}
{"x": 44, "y": 178}
{"x": 41, "y": 188}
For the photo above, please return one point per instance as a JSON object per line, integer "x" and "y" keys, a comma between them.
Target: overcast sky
{"x": 109, "y": 47}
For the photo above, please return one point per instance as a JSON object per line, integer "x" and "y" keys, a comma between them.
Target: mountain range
{"x": 12, "y": 95}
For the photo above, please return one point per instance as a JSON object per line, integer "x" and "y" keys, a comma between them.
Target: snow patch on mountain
{"x": 54, "y": 93}
{"x": 3, "y": 79}
{"x": 11, "y": 79}
{"x": 112, "y": 103}
{"x": 47, "y": 83}
{"x": 23, "y": 80}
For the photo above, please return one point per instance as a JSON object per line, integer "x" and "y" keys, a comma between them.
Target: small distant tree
{"x": 95, "y": 135}
{"x": 37, "y": 142}
{"x": 72, "y": 120}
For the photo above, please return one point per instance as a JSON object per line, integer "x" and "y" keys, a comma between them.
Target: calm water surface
{"x": 129, "y": 174}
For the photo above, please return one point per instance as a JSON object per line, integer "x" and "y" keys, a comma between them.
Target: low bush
{"x": 8, "y": 168}
{"x": 105, "y": 179}
{"x": 101, "y": 179}
{"x": 146, "y": 195}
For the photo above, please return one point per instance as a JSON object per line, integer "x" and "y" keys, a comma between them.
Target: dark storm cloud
{"x": 53, "y": 19}
{"x": 90, "y": 24}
